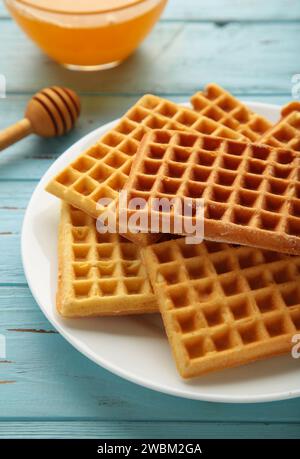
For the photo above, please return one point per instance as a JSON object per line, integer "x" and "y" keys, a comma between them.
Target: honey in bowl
{"x": 87, "y": 34}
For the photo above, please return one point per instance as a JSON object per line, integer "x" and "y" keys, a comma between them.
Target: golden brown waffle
{"x": 286, "y": 133}
{"x": 223, "y": 305}
{"x": 99, "y": 274}
{"x": 102, "y": 170}
{"x": 219, "y": 105}
{"x": 251, "y": 192}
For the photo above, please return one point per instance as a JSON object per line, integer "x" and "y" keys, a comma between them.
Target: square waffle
{"x": 251, "y": 192}
{"x": 102, "y": 170}
{"x": 286, "y": 133}
{"x": 219, "y": 105}
{"x": 223, "y": 305}
{"x": 99, "y": 274}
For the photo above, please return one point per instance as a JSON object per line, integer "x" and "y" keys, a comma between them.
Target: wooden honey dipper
{"x": 50, "y": 112}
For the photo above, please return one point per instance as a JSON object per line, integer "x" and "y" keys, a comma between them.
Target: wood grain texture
{"x": 157, "y": 430}
{"x": 214, "y": 10}
{"x": 46, "y": 387}
{"x": 242, "y": 57}
{"x": 232, "y": 10}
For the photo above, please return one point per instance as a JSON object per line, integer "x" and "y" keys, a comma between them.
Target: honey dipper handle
{"x": 14, "y": 133}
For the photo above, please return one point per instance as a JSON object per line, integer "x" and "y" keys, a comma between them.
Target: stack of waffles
{"x": 222, "y": 304}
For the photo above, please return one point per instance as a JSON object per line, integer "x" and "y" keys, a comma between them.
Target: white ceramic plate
{"x": 136, "y": 347}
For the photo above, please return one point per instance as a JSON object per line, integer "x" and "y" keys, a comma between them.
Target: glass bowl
{"x": 87, "y": 34}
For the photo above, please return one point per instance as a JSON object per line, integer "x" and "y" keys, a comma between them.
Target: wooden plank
{"x": 52, "y": 380}
{"x": 228, "y": 10}
{"x": 178, "y": 58}
{"x": 140, "y": 430}
{"x": 11, "y": 270}
{"x": 14, "y": 199}
{"x": 30, "y": 158}
{"x": 216, "y": 10}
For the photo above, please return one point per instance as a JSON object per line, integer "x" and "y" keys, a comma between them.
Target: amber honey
{"x": 87, "y": 34}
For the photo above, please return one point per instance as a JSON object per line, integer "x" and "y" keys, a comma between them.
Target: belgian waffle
{"x": 102, "y": 170}
{"x": 219, "y": 105}
{"x": 99, "y": 274}
{"x": 251, "y": 192}
{"x": 223, "y": 305}
{"x": 286, "y": 133}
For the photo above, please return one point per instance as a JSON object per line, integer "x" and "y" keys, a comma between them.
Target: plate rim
{"x": 102, "y": 362}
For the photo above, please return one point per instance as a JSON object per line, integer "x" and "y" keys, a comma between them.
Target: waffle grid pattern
{"x": 102, "y": 170}
{"x": 286, "y": 133}
{"x": 219, "y": 105}
{"x": 222, "y": 305}
{"x": 251, "y": 192}
{"x": 99, "y": 274}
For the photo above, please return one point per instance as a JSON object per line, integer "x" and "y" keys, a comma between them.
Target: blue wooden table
{"x": 47, "y": 389}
